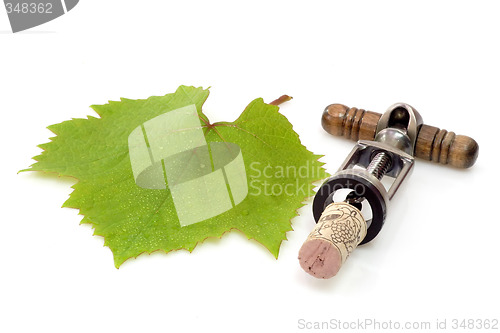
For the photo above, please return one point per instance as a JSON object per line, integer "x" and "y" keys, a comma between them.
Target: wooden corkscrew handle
{"x": 433, "y": 144}
{"x": 338, "y": 232}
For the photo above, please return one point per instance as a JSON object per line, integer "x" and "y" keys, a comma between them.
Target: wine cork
{"x": 338, "y": 232}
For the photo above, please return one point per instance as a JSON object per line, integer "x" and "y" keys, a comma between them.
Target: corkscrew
{"x": 388, "y": 144}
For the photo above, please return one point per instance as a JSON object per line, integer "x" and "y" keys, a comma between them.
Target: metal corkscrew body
{"x": 357, "y": 187}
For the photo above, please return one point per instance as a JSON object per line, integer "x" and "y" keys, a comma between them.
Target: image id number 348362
{"x": 29, "y": 8}
{"x": 478, "y": 324}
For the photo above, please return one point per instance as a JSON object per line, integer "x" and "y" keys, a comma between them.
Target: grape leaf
{"x": 134, "y": 220}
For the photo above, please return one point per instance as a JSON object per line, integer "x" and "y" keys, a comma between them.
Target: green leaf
{"x": 133, "y": 220}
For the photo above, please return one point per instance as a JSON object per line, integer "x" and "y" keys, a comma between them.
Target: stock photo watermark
{"x": 265, "y": 179}
{"x": 269, "y": 180}
{"x": 372, "y": 324}
{"x": 206, "y": 179}
{"x": 26, "y": 14}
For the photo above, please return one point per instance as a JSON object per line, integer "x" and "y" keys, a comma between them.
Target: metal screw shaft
{"x": 379, "y": 165}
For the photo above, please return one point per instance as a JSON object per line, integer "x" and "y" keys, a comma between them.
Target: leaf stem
{"x": 282, "y": 99}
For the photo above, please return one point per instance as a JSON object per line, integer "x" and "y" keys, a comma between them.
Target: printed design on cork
{"x": 342, "y": 225}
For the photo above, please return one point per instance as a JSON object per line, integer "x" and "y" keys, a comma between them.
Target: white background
{"x": 437, "y": 256}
